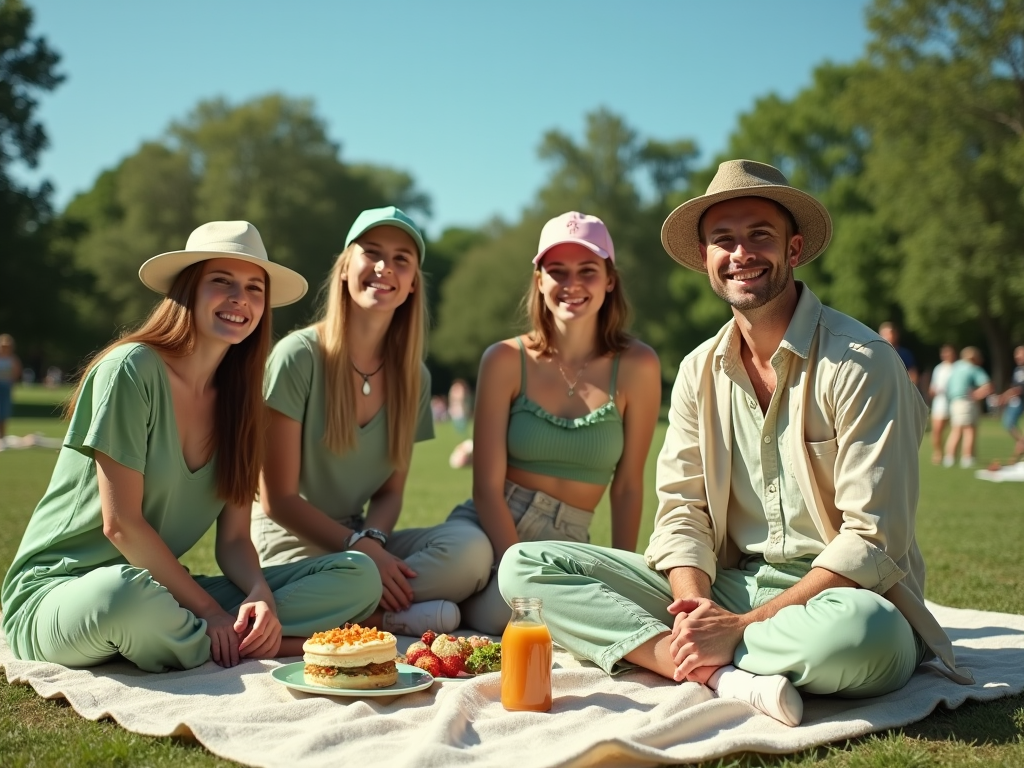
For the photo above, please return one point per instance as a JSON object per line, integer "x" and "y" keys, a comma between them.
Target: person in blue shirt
{"x": 888, "y": 332}
{"x": 967, "y": 386}
{"x": 1013, "y": 400}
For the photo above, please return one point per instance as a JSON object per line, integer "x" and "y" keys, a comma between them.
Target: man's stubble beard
{"x": 777, "y": 282}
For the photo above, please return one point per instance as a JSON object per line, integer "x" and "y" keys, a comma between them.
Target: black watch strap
{"x": 377, "y": 535}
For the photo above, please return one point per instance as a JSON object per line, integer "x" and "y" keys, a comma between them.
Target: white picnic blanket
{"x": 635, "y": 719}
{"x": 1011, "y": 473}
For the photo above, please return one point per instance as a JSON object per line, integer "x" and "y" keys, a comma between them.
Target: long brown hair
{"x": 612, "y": 318}
{"x": 239, "y": 414}
{"x": 403, "y": 361}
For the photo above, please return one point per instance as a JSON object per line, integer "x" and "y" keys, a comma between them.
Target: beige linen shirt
{"x": 857, "y": 465}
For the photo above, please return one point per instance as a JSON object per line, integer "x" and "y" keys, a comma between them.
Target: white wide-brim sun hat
{"x": 224, "y": 240}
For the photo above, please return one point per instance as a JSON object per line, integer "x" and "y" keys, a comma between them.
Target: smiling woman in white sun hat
{"x": 348, "y": 397}
{"x": 165, "y": 439}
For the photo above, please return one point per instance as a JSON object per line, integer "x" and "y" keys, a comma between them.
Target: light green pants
{"x": 452, "y": 560}
{"x": 601, "y": 604}
{"x": 121, "y": 610}
{"x": 538, "y": 517}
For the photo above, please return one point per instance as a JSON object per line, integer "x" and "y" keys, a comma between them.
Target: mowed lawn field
{"x": 971, "y": 532}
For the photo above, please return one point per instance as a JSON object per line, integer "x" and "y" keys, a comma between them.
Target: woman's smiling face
{"x": 382, "y": 269}
{"x": 230, "y": 299}
{"x": 573, "y": 281}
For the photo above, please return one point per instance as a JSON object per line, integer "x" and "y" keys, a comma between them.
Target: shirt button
{"x": 751, "y": 403}
{"x": 771, "y": 488}
{"x": 767, "y": 439}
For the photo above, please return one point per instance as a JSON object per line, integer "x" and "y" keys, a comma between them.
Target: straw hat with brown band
{"x": 745, "y": 178}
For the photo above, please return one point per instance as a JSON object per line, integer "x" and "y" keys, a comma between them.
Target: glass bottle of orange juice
{"x": 526, "y": 658}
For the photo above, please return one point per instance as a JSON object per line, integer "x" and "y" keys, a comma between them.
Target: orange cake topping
{"x": 350, "y": 634}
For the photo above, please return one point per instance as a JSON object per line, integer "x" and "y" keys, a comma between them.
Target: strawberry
{"x": 429, "y": 637}
{"x": 429, "y": 663}
{"x": 417, "y": 646}
{"x": 416, "y": 653}
{"x": 452, "y": 665}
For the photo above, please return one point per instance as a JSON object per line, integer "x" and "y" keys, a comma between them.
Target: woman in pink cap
{"x": 562, "y": 410}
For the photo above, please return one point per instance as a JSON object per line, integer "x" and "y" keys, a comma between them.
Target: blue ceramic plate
{"x": 409, "y": 679}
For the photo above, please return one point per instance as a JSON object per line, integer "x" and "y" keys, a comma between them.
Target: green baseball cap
{"x": 389, "y": 216}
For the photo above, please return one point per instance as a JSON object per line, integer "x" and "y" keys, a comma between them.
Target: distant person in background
{"x": 966, "y": 386}
{"x": 1013, "y": 400}
{"x": 889, "y": 332}
{"x": 54, "y": 377}
{"x": 10, "y": 372}
{"x": 940, "y": 403}
{"x": 438, "y": 408}
{"x": 459, "y": 405}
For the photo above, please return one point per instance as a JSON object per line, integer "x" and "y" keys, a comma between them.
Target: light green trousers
{"x": 121, "y": 610}
{"x": 452, "y": 560}
{"x": 601, "y": 604}
{"x": 538, "y": 517}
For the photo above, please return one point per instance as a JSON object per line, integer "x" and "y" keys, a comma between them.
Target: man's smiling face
{"x": 748, "y": 251}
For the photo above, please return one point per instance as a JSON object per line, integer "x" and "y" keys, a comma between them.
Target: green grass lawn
{"x": 971, "y": 532}
{"x": 38, "y": 394}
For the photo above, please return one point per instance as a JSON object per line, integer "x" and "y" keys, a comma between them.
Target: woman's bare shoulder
{"x": 502, "y": 353}
{"x": 640, "y": 356}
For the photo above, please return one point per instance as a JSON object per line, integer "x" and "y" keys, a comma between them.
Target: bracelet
{"x": 377, "y": 535}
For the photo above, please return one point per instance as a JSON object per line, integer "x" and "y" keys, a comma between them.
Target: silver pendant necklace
{"x": 366, "y": 376}
{"x": 571, "y": 384}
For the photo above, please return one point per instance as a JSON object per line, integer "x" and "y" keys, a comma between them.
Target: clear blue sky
{"x": 456, "y": 93}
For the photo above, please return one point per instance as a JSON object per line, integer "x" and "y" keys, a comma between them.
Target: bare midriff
{"x": 571, "y": 492}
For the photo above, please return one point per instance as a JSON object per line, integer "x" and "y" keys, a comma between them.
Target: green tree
{"x": 613, "y": 174}
{"x": 822, "y": 149}
{"x": 268, "y": 161}
{"x": 31, "y": 277}
{"x": 943, "y": 97}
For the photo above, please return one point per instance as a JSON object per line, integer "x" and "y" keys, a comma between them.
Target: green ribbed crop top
{"x": 586, "y": 449}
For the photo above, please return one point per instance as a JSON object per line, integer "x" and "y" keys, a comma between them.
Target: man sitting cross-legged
{"x": 783, "y": 552}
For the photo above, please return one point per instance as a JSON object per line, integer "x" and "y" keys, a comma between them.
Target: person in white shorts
{"x": 940, "y": 402}
{"x": 966, "y": 387}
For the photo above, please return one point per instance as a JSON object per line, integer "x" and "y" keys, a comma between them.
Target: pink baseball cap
{"x": 575, "y": 227}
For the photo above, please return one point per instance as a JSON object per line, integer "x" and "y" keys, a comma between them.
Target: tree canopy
{"x": 31, "y": 274}
{"x": 268, "y": 161}
{"x": 916, "y": 149}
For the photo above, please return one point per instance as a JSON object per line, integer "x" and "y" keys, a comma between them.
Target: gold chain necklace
{"x": 571, "y": 384}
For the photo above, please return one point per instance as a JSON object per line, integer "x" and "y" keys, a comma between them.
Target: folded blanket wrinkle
{"x": 633, "y": 719}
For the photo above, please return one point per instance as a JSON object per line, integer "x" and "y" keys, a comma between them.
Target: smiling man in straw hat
{"x": 783, "y": 555}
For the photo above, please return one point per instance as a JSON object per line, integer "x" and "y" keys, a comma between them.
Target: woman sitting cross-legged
{"x": 348, "y": 397}
{"x": 164, "y": 441}
{"x": 562, "y": 410}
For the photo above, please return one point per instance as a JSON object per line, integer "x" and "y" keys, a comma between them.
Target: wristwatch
{"x": 377, "y": 535}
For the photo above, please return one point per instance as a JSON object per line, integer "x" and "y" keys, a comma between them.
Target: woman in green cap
{"x": 348, "y": 397}
{"x": 164, "y": 441}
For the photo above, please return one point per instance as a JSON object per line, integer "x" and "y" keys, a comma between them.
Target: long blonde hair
{"x": 239, "y": 414}
{"x": 403, "y": 361}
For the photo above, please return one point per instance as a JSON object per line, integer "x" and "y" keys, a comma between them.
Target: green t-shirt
{"x": 964, "y": 378}
{"x": 125, "y": 411}
{"x": 337, "y": 485}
